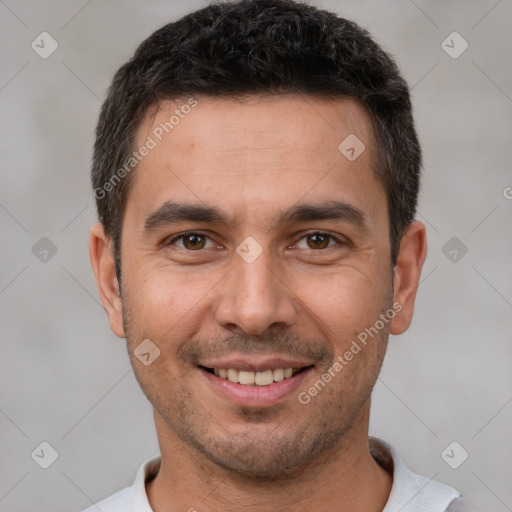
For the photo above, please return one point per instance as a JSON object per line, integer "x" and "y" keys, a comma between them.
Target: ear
{"x": 411, "y": 256}
{"x": 104, "y": 268}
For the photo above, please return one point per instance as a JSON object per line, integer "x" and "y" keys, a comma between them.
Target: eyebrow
{"x": 170, "y": 213}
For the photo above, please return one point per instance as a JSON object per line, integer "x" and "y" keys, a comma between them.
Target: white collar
{"x": 410, "y": 492}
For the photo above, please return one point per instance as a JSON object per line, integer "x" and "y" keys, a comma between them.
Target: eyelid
{"x": 181, "y": 236}
{"x": 339, "y": 240}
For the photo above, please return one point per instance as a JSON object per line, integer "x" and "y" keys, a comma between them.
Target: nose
{"x": 255, "y": 297}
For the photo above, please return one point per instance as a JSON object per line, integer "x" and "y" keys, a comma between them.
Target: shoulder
{"x": 411, "y": 492}
{"x": 134, "y": 498}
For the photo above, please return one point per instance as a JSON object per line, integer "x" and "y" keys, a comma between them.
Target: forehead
{"x": 266, "y": 150}
{"x": 239, "y": 122}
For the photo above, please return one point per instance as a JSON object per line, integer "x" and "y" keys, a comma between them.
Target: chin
{"x": 256, "y": 466}
{"x": 268, "y": 457}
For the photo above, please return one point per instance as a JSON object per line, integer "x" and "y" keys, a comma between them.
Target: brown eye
{"x": 318, "y": 241}
{"x": 194, "y": 241}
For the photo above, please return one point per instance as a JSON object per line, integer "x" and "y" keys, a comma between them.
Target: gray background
{"x": 65, "y": 379}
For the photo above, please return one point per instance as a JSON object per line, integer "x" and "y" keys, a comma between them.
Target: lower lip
{"x": 256, "y": 396}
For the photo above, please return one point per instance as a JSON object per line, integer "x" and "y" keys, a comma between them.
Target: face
{"x": 254, "y": 254}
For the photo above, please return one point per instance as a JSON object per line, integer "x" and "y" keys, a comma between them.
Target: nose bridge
{"x": 253, "y": 296}
{"x": 255, "y": 279}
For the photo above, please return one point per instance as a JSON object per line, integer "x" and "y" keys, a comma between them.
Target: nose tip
{"x": 254, "y": 299}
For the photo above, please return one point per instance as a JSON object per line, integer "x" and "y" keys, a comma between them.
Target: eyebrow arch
{"x": 332, "y": 210}
{"x": 174, "y": 212}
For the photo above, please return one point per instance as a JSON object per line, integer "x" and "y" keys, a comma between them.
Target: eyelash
{"x": 322, "y": 233}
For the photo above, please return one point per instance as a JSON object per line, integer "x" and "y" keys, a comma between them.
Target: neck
{"x": 345, "y": 479}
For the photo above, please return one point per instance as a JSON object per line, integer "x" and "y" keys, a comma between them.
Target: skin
{"x": 302, "y": 297}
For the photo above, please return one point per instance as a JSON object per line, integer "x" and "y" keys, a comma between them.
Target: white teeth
{"x": 233, "y": 375}
{"x": 264, "y": 378}
{"x": 278, "y": 374}
{"x": 246, "y": 377}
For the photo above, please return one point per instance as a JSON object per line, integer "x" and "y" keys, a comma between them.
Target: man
{"x": 256, "y": 171}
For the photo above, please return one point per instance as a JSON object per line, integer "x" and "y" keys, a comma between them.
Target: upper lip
{"x": 254, "y": 363}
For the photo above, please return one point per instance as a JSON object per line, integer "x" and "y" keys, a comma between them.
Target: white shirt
{"x": 409, "y": 493}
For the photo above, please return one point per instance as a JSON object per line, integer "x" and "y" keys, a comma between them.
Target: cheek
{"x": 344, "y": 302}
{"x": 167, "y": 303}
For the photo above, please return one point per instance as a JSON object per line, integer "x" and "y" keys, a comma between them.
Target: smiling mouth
{"x": 250, "y": 378}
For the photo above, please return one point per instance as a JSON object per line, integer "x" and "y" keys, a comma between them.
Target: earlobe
{"x": 103, "y": 266}
{"x": 407, "y": 272}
